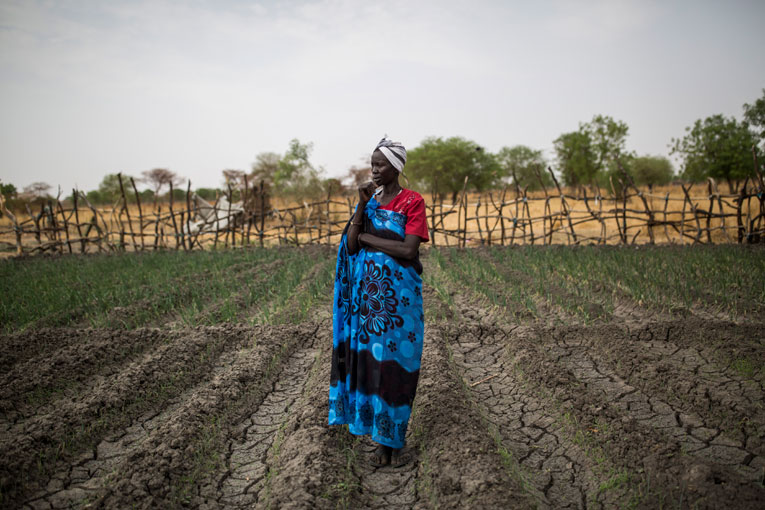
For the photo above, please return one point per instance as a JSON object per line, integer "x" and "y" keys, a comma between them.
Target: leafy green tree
{"x": 9, "y": 193}
{"x": 207, "y": 193}
{"x": 109, "y": 189}
{"x": 296, "y": 176}
{"x": 95, "y": 198}
{"x": 524, "y": 165}
{"x": 8, "y": 190}
{"x": 593, "y": 152}
{"x": 716, "y": 147}
{"x": 146, "y": 195}
{"x": 577, "y": 160}
{"x": 754, "y": 114}
{"x": 442, "y": 165}
{"x": 179, "y": 195}
{"x": 651, "y": 170}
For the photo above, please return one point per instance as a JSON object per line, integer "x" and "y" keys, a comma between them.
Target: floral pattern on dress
{"x": 385, "y": 425}
{"x": 344, "y": 294}
{"x": 376, "y": 302}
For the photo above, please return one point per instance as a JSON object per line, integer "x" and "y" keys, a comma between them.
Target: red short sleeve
{"x": 416, "y": 219}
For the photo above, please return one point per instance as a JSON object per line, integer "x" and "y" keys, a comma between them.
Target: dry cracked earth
{"x": 643, "y": 410}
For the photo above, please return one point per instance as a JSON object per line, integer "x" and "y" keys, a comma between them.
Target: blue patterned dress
{"x": 378, "y": 329}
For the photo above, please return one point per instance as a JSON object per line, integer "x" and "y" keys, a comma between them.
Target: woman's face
{"x": 382, "y": 171}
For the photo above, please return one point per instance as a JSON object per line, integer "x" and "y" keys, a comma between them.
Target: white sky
{"x": 90, "y": 88}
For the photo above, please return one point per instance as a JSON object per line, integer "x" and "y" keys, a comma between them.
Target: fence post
{"x": 83, "y": 244}
{"x": 66, "y": 224}
{"x": 175, "y": 224}
{"x": 16, "y": 228}
{"x": 187, "y": 231}
{"x": 140, "y": 213}
{"x": 262, "y": 213}
{"x": 127, "y": 211}
{"x": 564, "y": 206}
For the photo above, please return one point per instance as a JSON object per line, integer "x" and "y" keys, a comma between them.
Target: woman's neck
{"x": 391, "y": 189}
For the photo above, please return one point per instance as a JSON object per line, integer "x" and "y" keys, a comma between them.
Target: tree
{"x": 296, "y": 177}
{"x": 357, "y": 176}
{"x": 754, "y": 114}
{"x": 651, "y": 170}
{"x": 160, "y": 178}
{"x": 716, "y": 147}
{"x": 109, "y": 189}
{"x": 523, "y": 164}
{"x": 208, "y": 194}
{"x": 576, "y": 158}
{"x": 265, "y": 168}
{"x": 37, "y": 190}
{"x": 442, "y": 165}
{"x": 593, "y": 152}
{"x": 8, "y": 190}
{"x": 233, "y": 178}
{"x": 332, "y": 185}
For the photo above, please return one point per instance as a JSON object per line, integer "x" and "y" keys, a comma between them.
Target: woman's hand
{"x": 366, "y": 191}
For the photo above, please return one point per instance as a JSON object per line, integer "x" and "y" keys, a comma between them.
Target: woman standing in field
{"x": 377, "y": 314}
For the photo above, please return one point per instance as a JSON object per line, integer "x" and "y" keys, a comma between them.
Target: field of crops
{"x": 552, "y": 377}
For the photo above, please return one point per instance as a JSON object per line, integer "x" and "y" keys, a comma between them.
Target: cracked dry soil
{"x": 643, "y": 411}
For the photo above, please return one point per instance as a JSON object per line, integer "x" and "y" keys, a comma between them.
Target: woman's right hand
{"x": 366, "y": 191}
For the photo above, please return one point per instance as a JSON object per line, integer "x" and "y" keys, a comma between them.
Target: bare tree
{"x": 159, "y": 178}
{"x": 37, "y": 190}
{"x": 235, "y": 178}
{"x": 357, "y": 176}
{"x": 265, "y": 167}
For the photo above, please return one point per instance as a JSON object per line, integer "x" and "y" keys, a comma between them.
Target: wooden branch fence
{"x": 511, "y": 216}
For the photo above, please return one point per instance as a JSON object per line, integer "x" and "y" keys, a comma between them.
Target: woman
{"x": 378, "y": 321}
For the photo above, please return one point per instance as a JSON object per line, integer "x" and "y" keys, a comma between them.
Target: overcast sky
{"x": 90, "y": 88}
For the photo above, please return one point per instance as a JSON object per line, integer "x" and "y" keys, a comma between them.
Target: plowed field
{"x": 597, "y": 377}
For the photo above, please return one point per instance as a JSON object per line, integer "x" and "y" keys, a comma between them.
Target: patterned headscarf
{"x": 394, "y": 152}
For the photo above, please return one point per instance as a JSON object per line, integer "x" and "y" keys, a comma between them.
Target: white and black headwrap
{"x": 394, "y": 152}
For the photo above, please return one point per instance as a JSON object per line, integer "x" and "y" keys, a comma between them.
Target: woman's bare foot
{"x": 382, "y": 456}
{"x": 398, "y": 457}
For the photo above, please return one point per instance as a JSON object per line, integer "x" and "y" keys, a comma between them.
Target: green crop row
{"x": 92, "y": 290}
{"x": 131, "y": 290}
{"x": 724, "y": 278}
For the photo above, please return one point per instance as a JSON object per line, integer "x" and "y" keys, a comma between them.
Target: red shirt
{"x": 412, "y": 205}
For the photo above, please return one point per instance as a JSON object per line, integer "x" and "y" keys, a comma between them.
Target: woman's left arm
{"x": 406, "y": 249}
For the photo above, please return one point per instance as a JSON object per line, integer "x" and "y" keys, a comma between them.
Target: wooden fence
{"x": 511, "y": 216}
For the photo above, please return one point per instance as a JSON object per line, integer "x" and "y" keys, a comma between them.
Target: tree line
{"x": 594, "y": 154}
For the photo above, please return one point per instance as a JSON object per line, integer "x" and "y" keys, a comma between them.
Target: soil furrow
{"x": 534, "y": 430}
{"x": 246, "y": 456}
{"x": 165, "y": 467}
{"x": 707, "y": 394}
{"x": 689, "y": 429}
{"x": 460, "y": 464}
{"x": 312, "y": 466}
{"x": 558, "y": 471}
{"x": 72, "y": 486}
{"x": 33, "y": 382}
{"x": 65, "y": 428}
